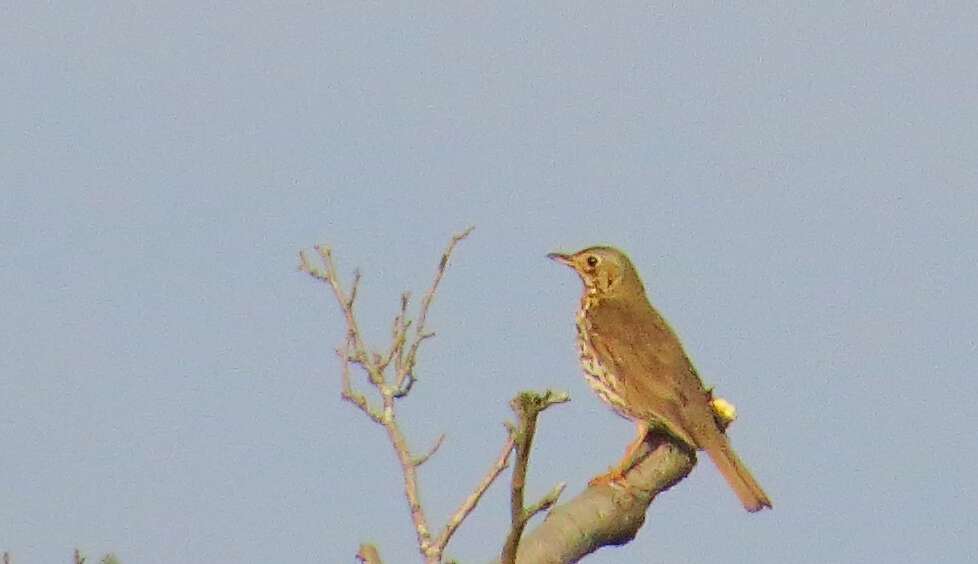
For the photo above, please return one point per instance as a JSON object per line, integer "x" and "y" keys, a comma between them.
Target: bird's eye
{"x": 592, "y": 261}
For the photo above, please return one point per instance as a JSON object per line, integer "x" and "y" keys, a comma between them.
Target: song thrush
{"x": 634, "y": 361}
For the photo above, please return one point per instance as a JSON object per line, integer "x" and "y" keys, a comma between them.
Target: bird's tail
{"x": 738, "y": 476}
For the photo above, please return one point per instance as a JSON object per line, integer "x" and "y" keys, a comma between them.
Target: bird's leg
{"x": 617, "y": 474}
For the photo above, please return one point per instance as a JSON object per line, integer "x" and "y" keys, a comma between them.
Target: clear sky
{"x": 796, "y": 184}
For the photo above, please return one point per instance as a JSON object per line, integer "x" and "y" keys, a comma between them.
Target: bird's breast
{"x": 599, "y": 377}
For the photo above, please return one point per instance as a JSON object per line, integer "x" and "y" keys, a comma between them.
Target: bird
{"x": 636, "y": 364}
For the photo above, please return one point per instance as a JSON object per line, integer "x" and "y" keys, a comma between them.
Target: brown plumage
{"x": 634, "y": 361}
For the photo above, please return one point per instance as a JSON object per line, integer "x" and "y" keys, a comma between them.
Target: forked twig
{"x": 405, "y": 368}
{"x": 527, "y": 406}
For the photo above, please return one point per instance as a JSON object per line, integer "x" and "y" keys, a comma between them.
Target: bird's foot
{"x": 613, "y": 477}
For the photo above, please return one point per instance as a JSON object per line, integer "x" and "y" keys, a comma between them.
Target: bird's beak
{"x": 561, "y": 258}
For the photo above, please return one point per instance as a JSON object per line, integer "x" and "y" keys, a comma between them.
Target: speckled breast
{"x": 603, "y": 381}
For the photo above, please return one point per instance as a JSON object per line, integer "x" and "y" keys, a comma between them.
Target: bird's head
{"x": 605, "y": 271}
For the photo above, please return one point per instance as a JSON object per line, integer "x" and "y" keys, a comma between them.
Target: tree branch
{"x": 607, "y": 514}
{"x": 527, "y": 406}
{"x": 402, "y": 351}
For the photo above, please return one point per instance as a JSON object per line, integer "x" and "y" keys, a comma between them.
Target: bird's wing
{"x": 657, "y": 378}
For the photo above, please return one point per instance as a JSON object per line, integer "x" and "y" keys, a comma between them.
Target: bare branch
{"x": 527, "y": 406}
{"x": 346, "y": 388}
{"x": 607, "y": 514}
{"x": 328, "y": 275}
{"x": 308, "y": 268}
{"x": 442, "y": 266}
{"x": 419, "y": 460}
{"x": 402, "y": 351}
{"x": 470, "y": 502}
{"x": 353, "y": 290}
{"x": 406, "y": 366}
{"x": 410, "y": 475}
{"x": 547, "y": 501}
{"x": 398, "y": 336}
{"x": 405, "y": 387}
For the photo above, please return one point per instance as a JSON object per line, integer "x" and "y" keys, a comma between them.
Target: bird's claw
{"x": 612, "y": 478}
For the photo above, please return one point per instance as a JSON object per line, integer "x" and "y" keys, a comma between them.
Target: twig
{"x": 547, "y": 501}
{"x": 419, "y": 460}
{"x": 398, "y": 335}
{"x": 368, "y": 554}
{"x": 405, "y": 369}
{"x": 346, "y": 388}
{"x": 470, "y": 502}
{"x": 527, "y": 406}
{"x": 442, "y": 265}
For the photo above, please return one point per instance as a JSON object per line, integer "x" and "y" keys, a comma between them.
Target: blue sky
{"x": 796, "y": 184}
